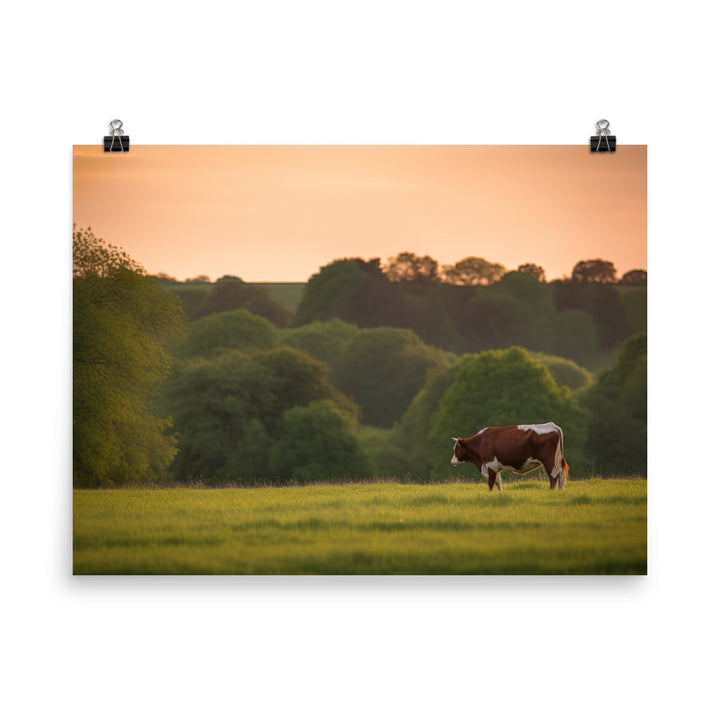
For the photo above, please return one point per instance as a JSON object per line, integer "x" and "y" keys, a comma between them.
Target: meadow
{"x": 596, "y": 526}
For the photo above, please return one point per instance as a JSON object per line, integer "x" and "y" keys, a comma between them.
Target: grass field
{"x": 593, "y": 527}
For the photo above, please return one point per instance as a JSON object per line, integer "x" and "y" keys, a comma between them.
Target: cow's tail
{"x": 560, "y": 461}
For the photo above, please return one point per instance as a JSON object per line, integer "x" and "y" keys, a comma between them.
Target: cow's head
{"x": 460, "y": 452}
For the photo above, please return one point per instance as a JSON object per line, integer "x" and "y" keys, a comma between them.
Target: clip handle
{"x": 603, "y": 141}
{"x": 117, "y": 141}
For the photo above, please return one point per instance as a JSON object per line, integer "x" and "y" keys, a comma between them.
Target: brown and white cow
{"x": 516, "y": 448}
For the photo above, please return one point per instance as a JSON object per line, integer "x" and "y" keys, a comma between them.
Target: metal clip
{"x": 117, "y": 141}
{"x": 602, "y": 138}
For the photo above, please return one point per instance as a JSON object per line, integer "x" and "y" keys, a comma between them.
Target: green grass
{"x": 593, "y": 527}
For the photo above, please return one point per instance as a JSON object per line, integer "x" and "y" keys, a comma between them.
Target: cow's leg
{"x": 491, "y": 478}
{"x": 552, "y": 474}
{"x": 561, "y": 480}
{"x": 498, "y": 482}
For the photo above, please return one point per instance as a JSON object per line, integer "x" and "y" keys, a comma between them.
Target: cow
{"x": 516, "y": 448}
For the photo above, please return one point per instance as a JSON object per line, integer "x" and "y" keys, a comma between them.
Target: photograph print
{"x": 359, "y": 360}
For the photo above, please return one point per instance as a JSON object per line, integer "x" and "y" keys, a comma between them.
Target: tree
{"x": 325, "y": 341}
{"x": 328, "y": 291}
{"x": 534, "y": 270}
{"x": 232, "y": 293}
{"x": 602, "y": 302}
{"x": 634, "y": 277}
{"x": 409, "y": 267}
{"x": 594, "y": 271}
{"x": 473, "y": 271}
{"x": 123, "y": 321}
{"x": 356, "y": 291}
{"x": 382, "y": 370}
{"x": 617, "y": 433}
{"x": 317, "y": 442}
{"x": 564, "y": 371}
{"x": 503, "y": 387}
{"x": 233, "y": 330}
{"x": 228, "y": 409}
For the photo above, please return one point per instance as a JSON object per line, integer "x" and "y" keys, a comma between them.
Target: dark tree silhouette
{"x": 634, "y": 277}
{"x": 409, "y": 267}
{"x": 594, "y": 271}
{"x": 532, "y": 269}
{"x": 473, "y": 271}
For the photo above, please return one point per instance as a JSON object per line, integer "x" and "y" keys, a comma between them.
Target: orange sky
{"x": 277, "y": 213}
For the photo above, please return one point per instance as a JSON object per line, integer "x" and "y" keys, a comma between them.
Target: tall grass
{"x": 596, "y": 526}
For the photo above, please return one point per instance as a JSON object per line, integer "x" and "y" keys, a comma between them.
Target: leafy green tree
{"x": 386, "y": 458}
{"x": 503, "y": 387}
{"x": 564, "y": 371}
{"x": 227, "y": 408}
{"x": 356, "y": 291}
{"x": 617, "y": 433}
{"x": 409, "y": 267}
{"x": 382, "y": 370}
{"x": 473, "y": 271}
{"x": 317, "y": 442}
{"x": 232, "y": 330}
{"x": 328, "y": 291}
{"x": 411, "y": 433}
{"x": 325, "y": 341}
{"x": 123, "y": 321}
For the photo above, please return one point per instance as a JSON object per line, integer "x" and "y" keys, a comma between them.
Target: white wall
{"x": 366, "y": 72}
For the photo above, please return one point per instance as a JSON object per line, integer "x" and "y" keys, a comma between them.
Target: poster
{"x": 277, "y": 348}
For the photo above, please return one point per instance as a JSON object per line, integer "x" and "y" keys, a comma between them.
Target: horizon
{"x": 280, "y": 213}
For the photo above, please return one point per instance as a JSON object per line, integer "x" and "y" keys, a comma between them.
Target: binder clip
{"x": 116, "y": 141}
{"x": 603, "y": 141}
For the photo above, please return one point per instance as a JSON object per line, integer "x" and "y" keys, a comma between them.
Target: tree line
{"x": 233, "y": 397}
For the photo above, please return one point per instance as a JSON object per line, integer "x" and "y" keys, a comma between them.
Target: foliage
{"x": 329, "y": 290}
{"x": 473, "y": 271}
{"x": 594, "y": 271}
{"x": 228, "y": 409}
{"x": 534, "y": 270}
{"x": 317, "y": 442}
{"x": 602, "y": 302}
{"x": 503, "y": 387}
{"x": 385, "y": 456}
{"x": 325, "y": 341}
{"x": 233, "y": 330}
{"x": 634, "y": 302}
{"x": 634, "y": 277}
{"x": 411, "y": 433}
{"x": 231, "y": 293}
{"x": 122, "y": 323}
{"x": 579, "y": 320}
{"x": 564, "y": 371}
{"x": 617, "y": 404}
{"x": 93, "y": 258}
{"x": 383, "y": 369}
{"x": 409, "y": 267}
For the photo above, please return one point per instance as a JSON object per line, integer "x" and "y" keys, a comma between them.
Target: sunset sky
{"x": 278, "y": 213}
